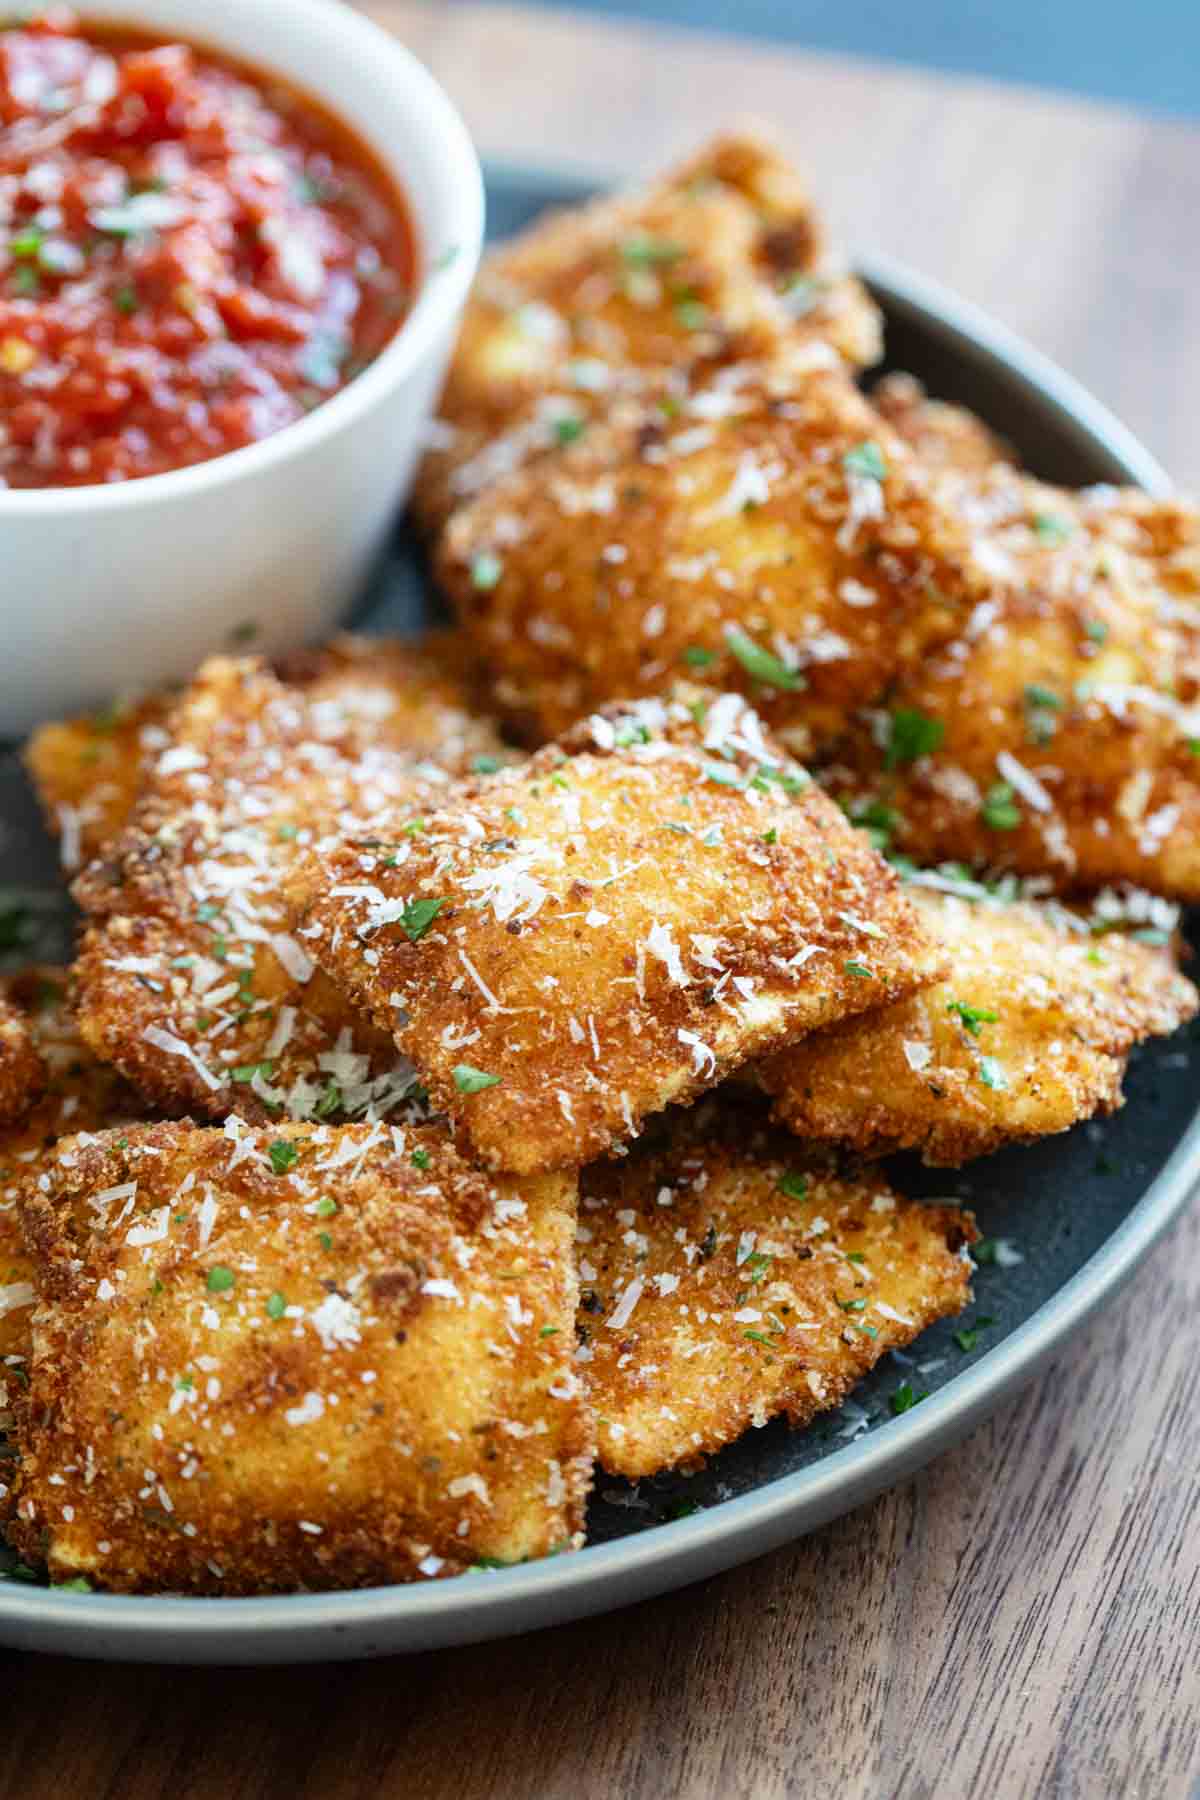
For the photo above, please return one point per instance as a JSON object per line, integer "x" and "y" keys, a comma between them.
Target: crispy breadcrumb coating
{"x": 296, "y": 1358}
{"x": 942, "y": 436}
{"x": 1058, "y": 731}
{"x": 723, "y": 257}
{"x": 617, "y": 925}
{"x": 76, "y": 1094}
{"x": 777, "y": 536}
{"x": 86, "y": 771}
{"x": 189, "y": 980}
{"x": 725, "y": 1280}
{"x": 1029, "y": 1033}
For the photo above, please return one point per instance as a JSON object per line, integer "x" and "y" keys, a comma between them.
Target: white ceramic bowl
{"x": 105, "y": 589}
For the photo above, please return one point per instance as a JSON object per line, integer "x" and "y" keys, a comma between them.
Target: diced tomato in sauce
{"x": 192, "y": 255}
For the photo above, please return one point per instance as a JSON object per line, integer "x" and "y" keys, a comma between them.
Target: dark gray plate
{"x": 1079, "y": 1212}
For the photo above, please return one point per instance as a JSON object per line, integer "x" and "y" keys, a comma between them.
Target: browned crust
{"x": 712, "y": 1300}
{"x": 1094, "y": 602}
{"x": 186, "y": 935}
{"x": 1028, "y": 1034}
{"x": 655, "y": 546}
{"x": 722, "y": 258}
{"x": 617, "y": 925}
{"x": 401, "y": 1412}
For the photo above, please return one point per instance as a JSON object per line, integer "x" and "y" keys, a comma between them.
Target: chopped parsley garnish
{"x": 793, "y": 1184}
{"x": 325, "y": 1241}
{"x": 220, "y": 1279}
{"x": 548, "y": 1331}
{"x": 968, "y": 1336}
{"x": 248, "y": 1071}
{"x": 276, "y": 1306}
{"x": 912, "y": 734}
{"x": 1037, "y": 695}
{"x": 770, "y": 837}
{"x": 481, "y": 765}
{"x": 472, "y": 1081}
{"x": 1041, "y": 706}
{"x": 857, "y": 968}
{"x": 282, "y": 1155}
{"x": 418, "y": 916}
{"x": 993, "y": 1074}
{"x": 569, "y": 429}
{"x": 326, "y": 1207}
{"x": 972, "y": 1016}
{"x": 761, "y": 664}
{"x": 1097, "y": 630}
{"x": 125, "y": 299}
{"x": 866, "y": 459}
{"x": 486, "y": 570}
{"x": 645, "y": 252}
{"x": 853, "y": 1305}
{"x": 905, "y": 1398}
{"x": 1050, "y": 528}
{"x": 757, "y": 1337}
{"x": 697, "y": 657}
{"x": 877, "y": 820}
{"x": 78, "y": 1584}
{"x": 420, "y": 1159}
{"x": 1000, "y": 811}
{"x": 692, "y": 314}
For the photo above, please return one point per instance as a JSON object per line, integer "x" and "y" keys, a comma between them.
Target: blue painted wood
{"x": 1146, "y": 55}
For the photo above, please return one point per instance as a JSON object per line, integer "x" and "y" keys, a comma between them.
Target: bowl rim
{"x": 445, "y": 275}
{"x": 294, "y": 1628}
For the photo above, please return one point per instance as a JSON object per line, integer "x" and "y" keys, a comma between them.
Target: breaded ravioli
{"x": 1029, "y": 1033}
{"x": 188, "y": 978}
{"x": 1058, "y": 732}
{"x": 22, "y": 1069}
{"x": 727, "y": 1279}
{"x": 296, "y": 1358}
{"x": 87, "y": 770}
{"x": 777, "y": 536}
{"x": 76, "y": 1094}
{"x": 574, "y": 944}
{"x": 942, "y": 436}
{"x": 724, "y": 256}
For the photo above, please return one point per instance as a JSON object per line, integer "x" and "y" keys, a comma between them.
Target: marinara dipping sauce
{"x": 192, "y": 255}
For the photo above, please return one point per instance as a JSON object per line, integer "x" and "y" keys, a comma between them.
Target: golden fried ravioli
{"x": 1029, "y": 1033}
{"x": 189, "y": 980}
{"x": 576, "y": 943}
{"x": 942, "y": 436}
{"x": 87, "y": 771}
{"x": 722, "y": 257}
{"x": 726, "y": 1280}
{"x": 304, "y": 1357}
{"x": 22, "y": 1070}
{"x": 776, "y": 536}
{"x": 1058, "y": 732}
{"x": 76, "y": 1093}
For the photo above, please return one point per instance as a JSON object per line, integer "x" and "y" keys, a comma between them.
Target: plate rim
{"x": 294, "y": 1628}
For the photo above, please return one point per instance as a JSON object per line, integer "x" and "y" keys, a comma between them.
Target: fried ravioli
{"x": 943, "y": 437}
{"x": 75, "y": 1093}
{"x": 724, "y": 256}
{"x": 87, "y": 770}
{"x": 619, "y": 924}
{"x": 297, "y": 1359}
{"x": 1056, "y": 733}
{"x": 778, "y": 537}
{"x": 22, "y": 1069}
{"x": 1028, "y": 1034}
{"x": 188, "y": 978}
{"x": 726, "y": 1281}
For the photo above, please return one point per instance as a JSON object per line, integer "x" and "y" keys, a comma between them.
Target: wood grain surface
{"x": 1024, "y": 1617}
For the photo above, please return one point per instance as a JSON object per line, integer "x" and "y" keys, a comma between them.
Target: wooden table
{"x": 1024, "y": 1617}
